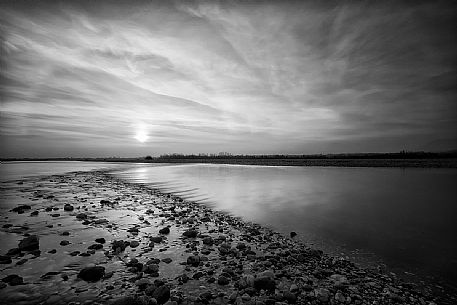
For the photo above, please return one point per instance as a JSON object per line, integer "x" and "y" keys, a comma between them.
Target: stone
{"x": 208, "y": 241}
{"x": 246, "y": 297}
{"x": 92, "y": 274}
{"x": 142, "y": 283}
{"x": 241, "y": 246}
{"x": 4, "y": 259}
{"x": 322, "y": 294}
{"x": 156, "y": 239}
{"x": 35, "y": 253}
{"x": 151, "y": 268}
{"x": 134, "y": 230}
{"x": 22, "y": 261}
{"x": 193, "y": 260}
{"x": 197, "y": 275}
{"x": 165, "y": 230}
{"x": 100, "y": 221}
{"x": 265, "y": 283}
{"x": 13, "y": 280}
{"x": 134, "y": 244}
{"x": 246, "y": 281}
{"x": 64, "y": 243}
{"x": 293, "y": 234}
{"x": 20, "y": 209}
{"x": 206, "y": 295}
{"x": 162, "y": 294}
{"x": 190, "y": 233}
{"x": 293, "y": 288}
{"x": 95, "y": 247}
{"x": 339, "y": 281}
{"x": 135, "y": 265}
{"x": 126, "y": 300}
{"x": 81, "y": 216}
{"x": 68, "y": 207}
{"x": 118, "y": 245}
{"x": 29, "y": 243}
{"x": 290, "y": 297}
{"x": 167, "y": 260}
{"x": 13, "y": 252}
{"x": 225, "y": 248}
{"x": 340, "y": 297}
{"x": 222, "y": 280}
{"x": 100, "y": 240}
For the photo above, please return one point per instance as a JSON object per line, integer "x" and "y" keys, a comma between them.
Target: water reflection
{"x": 23, "y": 169}
{"x": 405, "y": 217}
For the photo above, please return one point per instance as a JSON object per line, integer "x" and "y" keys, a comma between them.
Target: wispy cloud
{"x": 252, "y": 77}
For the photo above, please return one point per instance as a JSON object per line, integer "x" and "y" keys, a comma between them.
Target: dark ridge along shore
{"x": 88, "y": 238}
{"x": 401, "y": 159}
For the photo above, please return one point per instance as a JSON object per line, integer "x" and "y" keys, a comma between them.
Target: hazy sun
{"x": 141, "y": 134}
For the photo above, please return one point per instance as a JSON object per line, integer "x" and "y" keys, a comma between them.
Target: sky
{"x": 136, "y": 78}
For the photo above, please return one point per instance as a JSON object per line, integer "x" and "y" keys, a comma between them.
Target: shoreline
{"x": 326, "y": 162}
{"x": 204, "y": 256}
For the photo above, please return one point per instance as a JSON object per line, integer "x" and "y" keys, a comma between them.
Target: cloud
{"x": 260, "y": 77}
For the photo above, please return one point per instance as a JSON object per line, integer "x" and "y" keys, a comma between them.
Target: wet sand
{"x": 87, "y": 238}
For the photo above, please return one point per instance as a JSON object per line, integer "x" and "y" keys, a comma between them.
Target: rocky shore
{"x": 87, "y": 238}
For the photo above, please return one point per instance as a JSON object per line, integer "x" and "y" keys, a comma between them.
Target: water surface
{"x": 23, "y": 169}
{"x": 405, "y": 217}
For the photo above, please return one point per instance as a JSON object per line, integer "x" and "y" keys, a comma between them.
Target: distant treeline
{"x": 397, "y": 155}
{"x": 254, "y": 159}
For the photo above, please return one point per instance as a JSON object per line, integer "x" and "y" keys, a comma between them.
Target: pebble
{"x": 68, "y": 207}
{"x": 64, "y": 243}
{"x": 92, "y": 274}
{"x": 29, "y": 243}
{"x": 165, "y": 230}
{"x": 190, "y": 233}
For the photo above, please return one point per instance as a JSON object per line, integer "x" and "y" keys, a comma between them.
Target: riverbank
{"x": 100, "y": 240}
{"x": 370, "y": 160}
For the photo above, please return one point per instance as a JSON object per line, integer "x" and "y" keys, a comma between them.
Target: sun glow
{"x": 141, "y": 134}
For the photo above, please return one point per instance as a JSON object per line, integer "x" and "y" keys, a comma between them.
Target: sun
{"x": 141, "y": 134}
